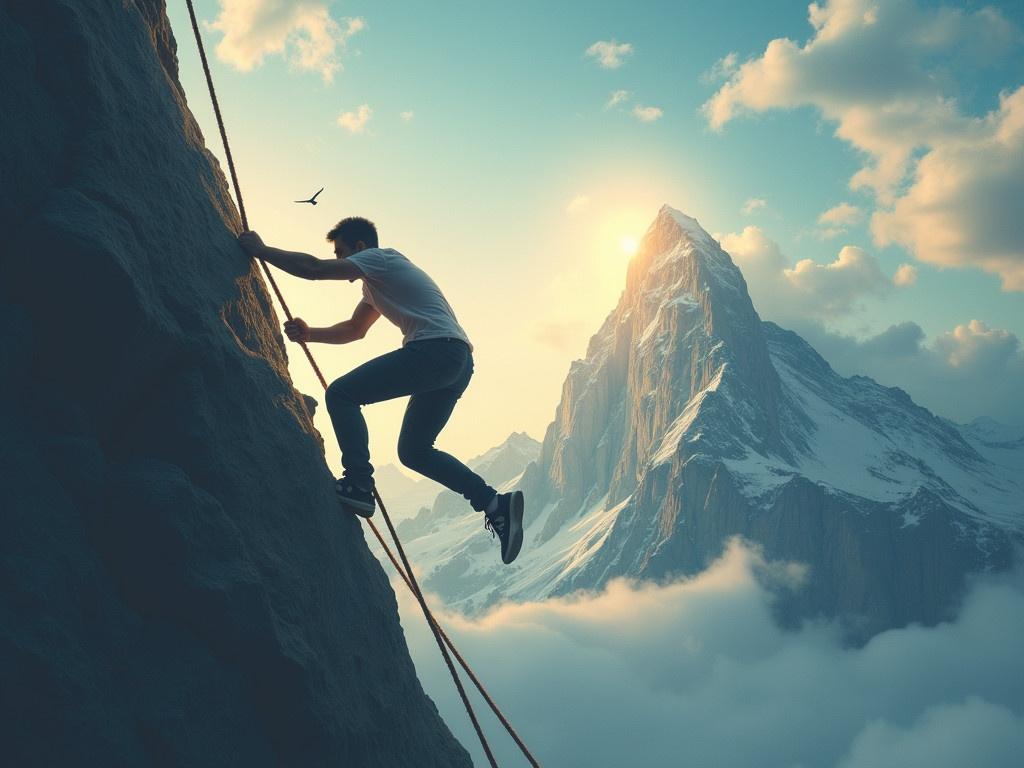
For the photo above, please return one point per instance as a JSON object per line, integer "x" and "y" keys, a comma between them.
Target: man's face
{"x": 342, "y": 250}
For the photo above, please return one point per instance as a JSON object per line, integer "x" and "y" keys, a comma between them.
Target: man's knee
{"x": 412, "y": 454}
{"x": 339, "y": 393}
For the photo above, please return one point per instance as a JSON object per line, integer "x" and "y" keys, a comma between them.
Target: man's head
{"x": 352, "y": 235}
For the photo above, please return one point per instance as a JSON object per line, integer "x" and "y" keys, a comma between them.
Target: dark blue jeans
{"x": 435, "y": 372}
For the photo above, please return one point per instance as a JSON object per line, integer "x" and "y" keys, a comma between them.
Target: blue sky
{"x": 509, "y": 124}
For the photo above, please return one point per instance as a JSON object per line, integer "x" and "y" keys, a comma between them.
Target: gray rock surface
{"x": 177, "y": 583}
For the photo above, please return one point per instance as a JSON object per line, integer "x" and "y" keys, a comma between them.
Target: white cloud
{"x": 945, "y": 736}
{"x": 646, "y": 114}
{"x": 842, "y": 215}
{"x": 355, "y": 122}
{"x": 784, "y": 293}
{"x": 616, "y": 98}
{"x": 696, "y": 672}
{"x": 752, "y": 204}
{"x": 883, "y": 72}
{"x": 836, "y": 287}
{"x": 976, "y": 345}
{"x": 577, "y": 205}
{"x": 608, "y": 53}
{"x": 835, "y": 221}
{"x": 968, "y": 372}
{"x": 906, "y": 275}
{"x": 303, "y": 31}
{"x": 407, "y": 116}
{"x": 963, "y": 207}
{"x": 721, "y": 69}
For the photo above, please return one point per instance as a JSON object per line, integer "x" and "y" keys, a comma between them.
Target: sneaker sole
{"x": 361, "y": 508}
{"x": 358, "y": 508}
{"x": 515, "y": 527}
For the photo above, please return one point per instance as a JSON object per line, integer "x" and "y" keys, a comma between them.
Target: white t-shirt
{"x": 406, "y": 296}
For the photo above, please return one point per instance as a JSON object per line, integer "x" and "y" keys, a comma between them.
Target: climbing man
{"x": 433, "y": 366}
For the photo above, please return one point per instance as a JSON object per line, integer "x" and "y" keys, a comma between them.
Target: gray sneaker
{"x": 507, "y": 523}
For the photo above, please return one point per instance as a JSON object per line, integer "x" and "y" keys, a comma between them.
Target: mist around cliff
{"x": 695, "y": 672}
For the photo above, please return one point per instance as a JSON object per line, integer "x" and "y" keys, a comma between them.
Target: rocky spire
{"x": 684, "y": 330}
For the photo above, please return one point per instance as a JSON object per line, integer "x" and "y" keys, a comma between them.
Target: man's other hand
{"x": 251, "y": 243}
{"x": 297, "y": 330}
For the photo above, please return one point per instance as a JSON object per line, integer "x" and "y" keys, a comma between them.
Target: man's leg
{"x": 392, "y": 375}
{"x": 425, "y": 416}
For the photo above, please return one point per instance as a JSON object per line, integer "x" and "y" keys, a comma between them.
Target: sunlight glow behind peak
{"x": 628, "y": 244}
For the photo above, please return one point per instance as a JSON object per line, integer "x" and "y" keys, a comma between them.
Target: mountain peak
{"x": 689, "y": 225}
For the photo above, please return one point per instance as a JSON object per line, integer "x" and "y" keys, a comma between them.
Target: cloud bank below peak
{"x": 695, "y": 671}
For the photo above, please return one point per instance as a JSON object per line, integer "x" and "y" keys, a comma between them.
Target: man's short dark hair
{"x": 353, "y": 229}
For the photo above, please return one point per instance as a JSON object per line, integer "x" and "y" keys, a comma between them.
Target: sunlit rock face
{"x": 177, "y": 583}
{"x": 690, "y": 421}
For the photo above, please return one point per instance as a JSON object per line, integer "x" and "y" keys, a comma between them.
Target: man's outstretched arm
{"x": 299, "y": 264}
{"x": 349, "y": 330}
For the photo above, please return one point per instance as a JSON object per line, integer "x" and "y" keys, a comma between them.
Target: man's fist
{"x": 251, "y": 243}
{"x": 297, "y": 330}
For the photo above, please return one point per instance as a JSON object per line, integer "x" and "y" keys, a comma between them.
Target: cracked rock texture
{"x": 177, "y": 583}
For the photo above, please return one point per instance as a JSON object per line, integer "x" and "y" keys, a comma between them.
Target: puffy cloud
{"x": 577, "y": 205}
{"x": 968, "y": 372}
{"x": 963, "y": 207}
{"x": 616, "y": 98}
{"x": 721, "y": 69}
{"x": 835, "y": 221}
{"x": 696, "y": 672}
{"x": 906, "y": 275}
{"x": 646, "y": 114}
{"x": 407, "y": 116}
{"x": 785, "y": 293}
{"x": 355, "y": 122}
{"x": 945, "y": 736}
{"x": 836, "y": 287}
{"x": 608, "y": 53}
{"x": 976, "y": 345}
{"x": 882, "y": 72}
{"x": 301, "y": 30}
{"x": 752, "y": 204}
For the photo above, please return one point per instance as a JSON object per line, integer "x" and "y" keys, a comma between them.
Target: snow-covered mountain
{"x": 690, "y": 420}
{"x": 404, "y": 495}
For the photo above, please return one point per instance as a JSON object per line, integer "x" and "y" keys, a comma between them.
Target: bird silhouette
{"x": 312, "y": 200}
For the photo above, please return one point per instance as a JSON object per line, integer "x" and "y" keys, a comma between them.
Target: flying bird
{"x": 312, "y": 200}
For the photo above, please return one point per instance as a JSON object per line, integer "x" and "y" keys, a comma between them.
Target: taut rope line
{"x": 406, "y": 573}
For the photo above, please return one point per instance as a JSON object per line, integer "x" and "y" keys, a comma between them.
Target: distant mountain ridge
{"x": 690, "y": 420}
{"x": 500, "y": 466}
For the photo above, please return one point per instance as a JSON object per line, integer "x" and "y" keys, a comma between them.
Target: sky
{"x": 863, "y": 163}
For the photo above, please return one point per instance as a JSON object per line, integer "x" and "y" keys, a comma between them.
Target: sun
{"x": 628, "y": 244}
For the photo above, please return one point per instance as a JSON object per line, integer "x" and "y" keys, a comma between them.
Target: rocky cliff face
{"x": 177, "y": 583}
{"x": 691, "y": 421}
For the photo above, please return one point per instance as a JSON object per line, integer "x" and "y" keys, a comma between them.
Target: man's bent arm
{"x": 310, "y": 267}
{"x": 352, "y": 329}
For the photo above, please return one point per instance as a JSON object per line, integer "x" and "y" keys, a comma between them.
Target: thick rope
{"x": 406, "y": 573}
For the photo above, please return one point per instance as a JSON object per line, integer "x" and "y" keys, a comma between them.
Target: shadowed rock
{"x": 177, "y": 583}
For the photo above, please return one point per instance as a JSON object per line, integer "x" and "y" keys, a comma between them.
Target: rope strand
{"x": 443, "y": 641}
